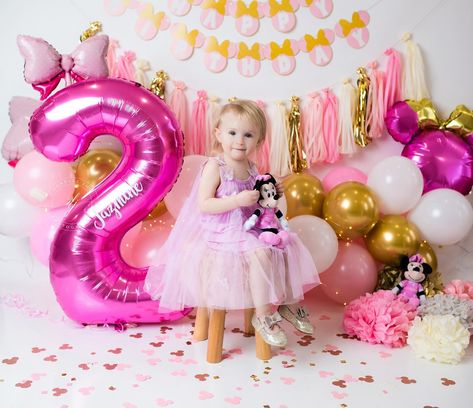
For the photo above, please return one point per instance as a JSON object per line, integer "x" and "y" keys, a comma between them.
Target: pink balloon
{"x": 150, "y": 240}
{"x": 352, "y": 274}
{"x": 91, "y": 281}
{"x": 128, "y": 241}
{"x": 176, "y": 197}
{"x": 42, "y": 182}
{"x": 340, "y": 175}
{"x": 44, "y": 231}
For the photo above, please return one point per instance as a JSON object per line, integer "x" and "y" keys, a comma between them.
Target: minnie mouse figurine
{"x": 267, "y": 217}
{"x": 416, "y": 271}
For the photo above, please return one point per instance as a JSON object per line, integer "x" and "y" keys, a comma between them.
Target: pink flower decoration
{"x": 460, "y": 288}
{"x": 380, "y": 317}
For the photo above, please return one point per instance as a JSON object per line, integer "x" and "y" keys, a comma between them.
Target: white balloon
{"x": 16, "y": 215}
{"x": 318, "y": 237}
{"x": 443, "y": 216}
{"x": 397, "y": 183}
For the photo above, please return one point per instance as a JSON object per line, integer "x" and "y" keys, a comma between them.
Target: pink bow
{"x": 416, "y": 258}
{"x": 263, "y": 177}
{"x": 45, "y": 67}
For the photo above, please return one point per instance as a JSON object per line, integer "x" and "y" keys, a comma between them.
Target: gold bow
{"x": 276, "y": 7}
{"x": 218, "y": 5}
{"x": 245, "y": 51}
{"x": 277, "y": 50}
{"x": 313, "y": 42}
{"x": 460, "y": 120}
{"x": 148, "y": 13}
{"x": 214, "y": 46}
{"x": 182, "y": 34}
{"x": 242, "y": 9}
{"x": 356, "y": 22}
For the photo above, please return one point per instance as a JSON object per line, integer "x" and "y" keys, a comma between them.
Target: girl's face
{"x": 238, "y": 136}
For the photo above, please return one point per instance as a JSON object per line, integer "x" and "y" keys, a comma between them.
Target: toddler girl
{"x": 209, "y": 260}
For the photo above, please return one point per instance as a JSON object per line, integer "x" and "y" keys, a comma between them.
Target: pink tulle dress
{"x": 209, "y": 260}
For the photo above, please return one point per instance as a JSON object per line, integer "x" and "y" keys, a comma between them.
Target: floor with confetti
{"x": 46, "y": 360}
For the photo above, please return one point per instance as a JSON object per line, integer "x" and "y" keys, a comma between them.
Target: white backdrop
{"x": 442, "y": 28}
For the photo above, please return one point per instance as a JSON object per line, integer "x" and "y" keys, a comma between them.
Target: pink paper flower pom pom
{"x": 379, "y": 318}
{"x": 460, "y": 288}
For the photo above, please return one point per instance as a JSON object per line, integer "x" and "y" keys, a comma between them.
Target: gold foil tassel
{"x": 94, "y": 28}
{"x": 360, "y": 131}
{"x": 158, "y": 84}
{"x": 296, "y": 151}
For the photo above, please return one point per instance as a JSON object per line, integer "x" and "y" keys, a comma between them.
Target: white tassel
{"x": 213, "y": 112}
{"x": 346, "y": 112}
{"x": 279, "y": 159}
{"x": 414, "y": 85}
{"x": 141, "y": 67}
{"x": 312, "y": 128}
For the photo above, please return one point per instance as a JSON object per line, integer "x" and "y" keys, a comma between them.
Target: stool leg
{"x": 216, "y": 328}
{"x": 248, "y": 327}
{"x": 201, "y": 327}
{"x": 263, "y": 349}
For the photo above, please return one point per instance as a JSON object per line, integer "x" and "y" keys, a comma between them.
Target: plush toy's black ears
{"x": 404, "y": 262}
{"x": 427, "y": 268}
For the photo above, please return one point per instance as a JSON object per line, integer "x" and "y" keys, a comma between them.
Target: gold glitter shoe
{"x": 264, "y": 326}
{"x": 297, "y": 318}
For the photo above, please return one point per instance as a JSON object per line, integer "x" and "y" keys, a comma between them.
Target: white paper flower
{"x": 440, "y": 338}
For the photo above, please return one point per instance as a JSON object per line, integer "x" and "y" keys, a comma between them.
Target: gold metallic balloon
{"x": 392, "y": 237}
{"x": 92, "y": 168}
{"x": 426, "y": 251}
{"x": 351, "y": 210}
{"x": 304, "y": 195}
{"x": 157, "y": 211}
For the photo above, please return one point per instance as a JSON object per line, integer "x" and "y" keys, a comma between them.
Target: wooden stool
{"x": 213, "y": 327}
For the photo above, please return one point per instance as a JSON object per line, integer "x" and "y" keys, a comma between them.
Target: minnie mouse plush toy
{"x": 267, "y": 217}
{"x": 416, "y": 271}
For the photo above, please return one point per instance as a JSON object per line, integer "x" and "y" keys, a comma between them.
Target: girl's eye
{"x": 248, "y": 135}
{"x": 232, "y": 132}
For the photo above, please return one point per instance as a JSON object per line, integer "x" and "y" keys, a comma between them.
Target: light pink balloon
{"x": 128, "y": 242}
{"x": 43, "y": 233}
{"x": 352, "y": 274}
{"x": 318, "y": 237}
{"x": 42, "y": 182}
{"x": 174, "y": 200}
{"x": 150, "y": 239}
{"x": 340, "y": 175}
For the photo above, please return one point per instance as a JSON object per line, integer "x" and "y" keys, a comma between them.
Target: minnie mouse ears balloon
{"x": 442, "y": 150}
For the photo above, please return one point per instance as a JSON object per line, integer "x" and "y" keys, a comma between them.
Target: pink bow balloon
{"x": 45, "y": 67}
{"x": 17, "y": 142}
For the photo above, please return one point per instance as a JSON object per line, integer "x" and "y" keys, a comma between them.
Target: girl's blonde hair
{"x": 246, "y": 109}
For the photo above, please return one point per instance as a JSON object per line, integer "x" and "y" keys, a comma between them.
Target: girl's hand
{"x": 280, "y": 188}
{"x": 247, "y": 198}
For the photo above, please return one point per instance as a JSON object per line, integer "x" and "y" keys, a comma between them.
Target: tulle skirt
{"x": 237, "y": 271}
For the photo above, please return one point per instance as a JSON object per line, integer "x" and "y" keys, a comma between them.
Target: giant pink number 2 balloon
{"x": 91, "y": 281}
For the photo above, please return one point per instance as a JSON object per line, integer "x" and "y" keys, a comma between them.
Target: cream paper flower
{"x": 440, "y": 338}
